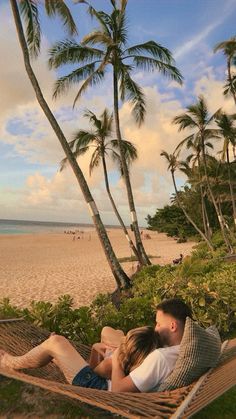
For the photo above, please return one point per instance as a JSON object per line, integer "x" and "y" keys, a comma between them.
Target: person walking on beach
{"x": 147, "y": 376}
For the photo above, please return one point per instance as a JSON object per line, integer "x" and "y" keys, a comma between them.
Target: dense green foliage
{"x": 172, "y": 221}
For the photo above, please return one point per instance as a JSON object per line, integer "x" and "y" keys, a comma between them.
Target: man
{"x": 170, "y": 321}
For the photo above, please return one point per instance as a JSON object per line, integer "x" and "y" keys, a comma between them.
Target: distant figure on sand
{"x": 138, "y": 365}
{"x": 177, "y": 261}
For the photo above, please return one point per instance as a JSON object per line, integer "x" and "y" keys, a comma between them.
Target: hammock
{"x": 17, "y": 337}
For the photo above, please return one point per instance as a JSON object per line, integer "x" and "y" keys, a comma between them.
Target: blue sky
{"x": 31, "y": 187}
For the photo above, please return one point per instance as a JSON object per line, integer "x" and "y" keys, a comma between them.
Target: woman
{"x": 132, "y": 351}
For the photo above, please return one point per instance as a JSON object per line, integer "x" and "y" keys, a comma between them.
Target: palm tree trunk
{"x": 120, "y": 276}
{"x": 230, "y": 187}
{"x": 205, "y": 218}
{"x": 131, "y": 244}
{"x": 203, "y": 211}
{"x": 219, "y": 216}
{"x": 139, "y": 245}
{"x": 187, "y": 216}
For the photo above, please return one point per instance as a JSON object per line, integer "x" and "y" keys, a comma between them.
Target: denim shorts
{"x": 88, "y": 378}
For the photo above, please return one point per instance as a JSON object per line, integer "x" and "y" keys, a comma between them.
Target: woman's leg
{"x": 55, "y": 348}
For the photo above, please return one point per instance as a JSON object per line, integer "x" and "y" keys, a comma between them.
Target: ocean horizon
{"x": 29, "y": 227}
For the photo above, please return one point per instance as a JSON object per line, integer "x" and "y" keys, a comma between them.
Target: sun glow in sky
{"x": 31, "y": 185}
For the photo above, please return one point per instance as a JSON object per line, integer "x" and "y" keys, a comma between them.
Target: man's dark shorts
{"x": 88, "y": 378}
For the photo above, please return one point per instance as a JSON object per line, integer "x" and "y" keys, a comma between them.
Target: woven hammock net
{"x": 19, "y": 337}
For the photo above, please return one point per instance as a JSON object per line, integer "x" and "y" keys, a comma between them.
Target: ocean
{"x": 28, "y": 227}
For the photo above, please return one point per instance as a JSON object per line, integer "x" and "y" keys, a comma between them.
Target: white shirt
{"x": 155, "y": 368}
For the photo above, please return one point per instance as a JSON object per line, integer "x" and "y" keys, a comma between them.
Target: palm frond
{"x": 95, "y": 160}
{"x": 69, "y": 52}
{"x": 29, "y": 12}
{"x": 151, "y": 64}
{"x": 97, "y": 37}
{"x": 184, "y": 121}
{"x": 93, "y": 79}
{"x": 55, "y": 7}
{"x": 83, "y": 139}
{"x": 101, "y": 17}
{"x": 186, "y": 141}
{"x": 230, "y": 87}
{"x": 64, "y": 83}
{"x": 133, "y": 93}
{"x": 152, "y": 48}
{"x": 228, "y": 47}
{"x": 129, "y": 150}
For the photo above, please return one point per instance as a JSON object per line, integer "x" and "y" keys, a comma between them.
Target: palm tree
{"x": 172, "y": 166}
{"x": 226, "y": 123}
{"x": 197, "y": 117}
{"x": 229, "y": 50}
{"x": 194, "y": 145}
{"x": 107, "y": 46}
{"x": 119, "y": 275}
{"x": 102, "y": 144}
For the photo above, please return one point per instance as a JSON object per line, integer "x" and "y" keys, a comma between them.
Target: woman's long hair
{"x": 136, "y": 345}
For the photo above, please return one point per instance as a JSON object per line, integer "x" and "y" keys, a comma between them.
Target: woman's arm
{"x": 97, "y": 354}
{"x": 104, "y": 368}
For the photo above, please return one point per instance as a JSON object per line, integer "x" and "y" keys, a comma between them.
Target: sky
{"x": 31, "y": 185}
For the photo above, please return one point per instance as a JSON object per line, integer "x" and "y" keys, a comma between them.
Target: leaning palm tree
{"x": 197, "y": 118}
{"x": 226, "y": 124}
{"x": 99, "y": 139}
{"x": 229, "y": 50}
{"x": 104, "y": 47}
{"x": 173, "y": 164}
{"x": 120, "y": 276}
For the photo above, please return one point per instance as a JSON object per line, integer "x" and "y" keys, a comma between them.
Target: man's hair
{"x": 176, "y": 308}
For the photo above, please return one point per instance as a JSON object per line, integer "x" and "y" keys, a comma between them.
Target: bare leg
{"x": 56, "y": 348}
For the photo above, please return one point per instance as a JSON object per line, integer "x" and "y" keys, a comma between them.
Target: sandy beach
{"x": 45, "y": 266}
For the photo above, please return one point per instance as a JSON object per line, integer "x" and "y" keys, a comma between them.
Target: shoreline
{"x": 43, "y": 266}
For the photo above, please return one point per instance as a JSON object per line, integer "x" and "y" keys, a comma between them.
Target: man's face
{"x": 165, "y": 325}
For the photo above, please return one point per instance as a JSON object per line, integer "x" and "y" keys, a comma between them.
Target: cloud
{"x": 203, "y": 34}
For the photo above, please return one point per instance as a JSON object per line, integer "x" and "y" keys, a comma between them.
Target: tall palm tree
{"x": 229, "y": 50}
{"x": 99, "y": 139}
{"x": 172, "y": 166}
{"x": 226, "y": 123}
{"x": 120, "y": 276}
{"x": 197, "y": 117}
{"x": 107, "y": 46}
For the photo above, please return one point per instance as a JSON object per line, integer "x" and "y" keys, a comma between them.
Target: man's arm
{"x": 120, "y": 382}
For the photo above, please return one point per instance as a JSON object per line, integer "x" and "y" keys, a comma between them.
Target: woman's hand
{"x": 97, "y": 354}
{"x": 100, "y": 348}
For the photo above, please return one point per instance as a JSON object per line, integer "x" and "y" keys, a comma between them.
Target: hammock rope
{"x": 19, "y": 337}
